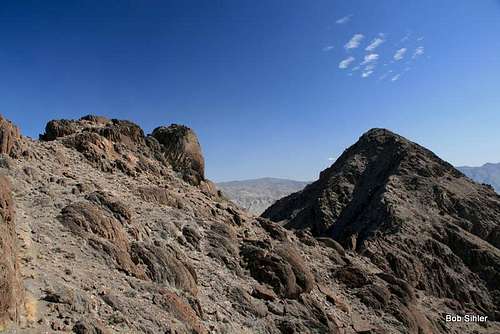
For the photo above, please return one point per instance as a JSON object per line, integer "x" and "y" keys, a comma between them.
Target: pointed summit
{"x": 412, "y": 213}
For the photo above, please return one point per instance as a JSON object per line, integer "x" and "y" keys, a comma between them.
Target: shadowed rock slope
{"x": 413, "y": 215}
{"x": 108, "y": 230}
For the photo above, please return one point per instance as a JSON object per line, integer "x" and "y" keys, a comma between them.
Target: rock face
{"x": 10, "y": 288}
{"x": 182, "y": 149}
{"x": 412, "y": 214}
{"x": 259, "y": 194}
{"x": 112, "y": 239}
{"x": 9, "y": 138}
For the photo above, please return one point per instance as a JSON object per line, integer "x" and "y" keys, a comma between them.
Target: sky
{"x": 272, "y": 88}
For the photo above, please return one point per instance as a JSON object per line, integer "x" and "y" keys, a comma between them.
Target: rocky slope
{"x": 488, "y": 173}
{"x": 414, "y": 216}
{"x": 258, "y": 194}
{"x": 108, "y": 230}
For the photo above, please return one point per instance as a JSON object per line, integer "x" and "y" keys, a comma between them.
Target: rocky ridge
{"x": 108, "y": 230}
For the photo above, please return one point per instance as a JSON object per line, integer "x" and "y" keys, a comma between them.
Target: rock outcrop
{"x": 182, "y": 149}
{"x": 11, "y": 295}
{"x": 413, "y": 215}
{"x": 9, "y": 138}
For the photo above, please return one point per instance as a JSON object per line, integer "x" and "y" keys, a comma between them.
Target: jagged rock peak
{"x": 412, "y": 213}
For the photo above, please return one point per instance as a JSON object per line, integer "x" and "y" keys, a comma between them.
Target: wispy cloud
{"x": 328, "y": 48}
{"x": 400, "y": 54}
{"x": 420, "y": 39}
{"x": 385, "y": 75}
{"x": 405, "y": 38}
{"x": 346, "y": 62}
{"x": 418, "y": 52}
{"x": 396, "y": 77}
{"x": 375, "y": 43}
{"x": 370, "y": 58}
{"x": 354, "y": 41}
{"x": 344, "y": 20}
{"x": 366, "y": 74}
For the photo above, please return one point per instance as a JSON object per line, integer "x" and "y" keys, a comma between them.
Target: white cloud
{"x": 356, "y": 68}
{"x": 344, "y": 19}
{"x": 400, "y": 54}
{"x": 396, "y": 77}
{"x": 354, "y": 41}
{"x": 369, "y": 58}
{"x": 375, "y": 43}
{"x": 420, "y": 39}
{"x": 418, "y": 52}
{"x": 405, "y": 38}
{"x": 328, "y": 48}
{"x": 346, "y": 62}
{"x": 366, "y": 74}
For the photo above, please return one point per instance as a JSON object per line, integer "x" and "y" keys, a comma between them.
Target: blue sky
{"x": 262, "y": 82}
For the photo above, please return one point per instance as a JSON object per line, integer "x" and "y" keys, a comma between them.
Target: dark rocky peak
{"x": 182, "y": 149}
{"x": 412, "y": 213}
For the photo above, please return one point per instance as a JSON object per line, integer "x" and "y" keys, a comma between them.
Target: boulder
{"x": 102, "y": 231}
{"x": 9, "y": 138}
{"x": 59, "y": 128}
{"x": 165, "y": 264}
{"x": 183, "y": 151}
{"x": 282, "y": 267}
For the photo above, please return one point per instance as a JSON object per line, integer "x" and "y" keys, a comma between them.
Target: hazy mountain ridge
{"x": 256, "y": 195}
{"x": 488, "y": 173}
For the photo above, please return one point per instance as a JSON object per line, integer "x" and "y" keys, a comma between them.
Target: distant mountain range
{"x": 258, "y": 194}
{"x": 488, "y": 173}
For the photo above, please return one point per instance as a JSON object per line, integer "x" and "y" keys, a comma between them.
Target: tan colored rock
{"x": 181, "y": 310}
{"x": 182, "y": 149}
{"x": 11, "y": 293}
{"x": 165, "y": 264}
{"x": 9, "y": 138}
{"x": 102, "y": 231}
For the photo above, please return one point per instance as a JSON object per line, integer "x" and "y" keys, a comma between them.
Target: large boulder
{"x": 103, "y": 231}
{"x": 59, "y": 128}
{"x": 9, "y": 138}
{"x": 183, "y": 151}
{"x": 282, "y": 267}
